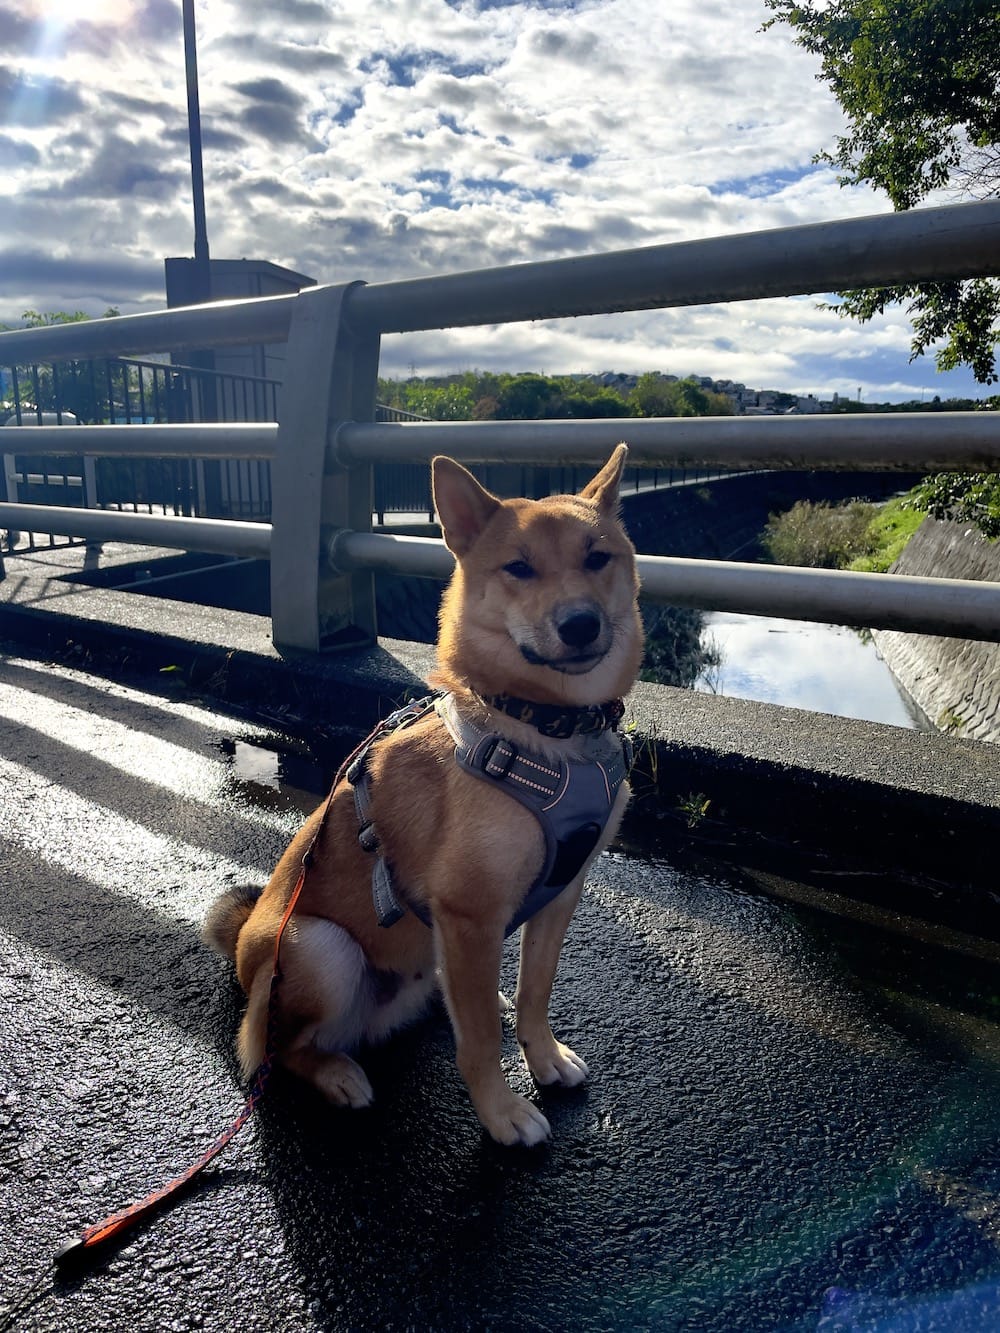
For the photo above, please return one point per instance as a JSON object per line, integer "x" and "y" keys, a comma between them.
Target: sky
{"x": 347, "y": 139}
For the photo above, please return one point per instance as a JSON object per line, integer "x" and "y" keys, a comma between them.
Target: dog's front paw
{"x": 551, "y": 1062}
{"x": 514, "y": 1121}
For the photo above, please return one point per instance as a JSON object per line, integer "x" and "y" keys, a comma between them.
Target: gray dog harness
{"x": 572, "y": 800}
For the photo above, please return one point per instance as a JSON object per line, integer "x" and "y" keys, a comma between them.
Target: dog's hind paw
{"x": 343, "y": 1082}
{"x": 555, "y": 1063}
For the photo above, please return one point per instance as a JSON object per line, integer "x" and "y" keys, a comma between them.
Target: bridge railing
{"x": 319, "y": 541}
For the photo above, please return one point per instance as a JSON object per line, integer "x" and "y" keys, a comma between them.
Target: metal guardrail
{"x": 321, "y": 548}
{"x": 121, "y": 392}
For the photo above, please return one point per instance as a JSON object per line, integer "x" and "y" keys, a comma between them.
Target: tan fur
{"x": 469, "y": 853}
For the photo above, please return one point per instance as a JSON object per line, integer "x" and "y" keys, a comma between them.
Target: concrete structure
{"x": 237, "y": 280}
{"x": 955, "y": 682}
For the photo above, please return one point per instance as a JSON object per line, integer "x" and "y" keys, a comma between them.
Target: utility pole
{"x": 203, "y": 358}
{"x": 194, "y": 137}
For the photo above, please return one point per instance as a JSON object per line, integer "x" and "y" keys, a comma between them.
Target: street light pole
{"x": 194, "y": 138}
{"x": 203, "y": 359}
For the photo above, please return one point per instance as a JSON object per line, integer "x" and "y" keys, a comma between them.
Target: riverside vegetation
{"x": 855, "y": 534}
{"x": 868, "y": 537}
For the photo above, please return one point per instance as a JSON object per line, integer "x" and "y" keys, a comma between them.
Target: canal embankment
{"x": 956, "y": 682}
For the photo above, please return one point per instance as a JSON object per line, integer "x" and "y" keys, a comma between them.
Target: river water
{"x": 825, "y": 668}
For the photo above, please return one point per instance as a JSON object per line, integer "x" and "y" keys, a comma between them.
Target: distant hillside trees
{"x": 655, "y": 396}
{"x": 535, "y": 397}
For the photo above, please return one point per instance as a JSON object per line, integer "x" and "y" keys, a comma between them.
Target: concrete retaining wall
{"x": 955, "y": 681}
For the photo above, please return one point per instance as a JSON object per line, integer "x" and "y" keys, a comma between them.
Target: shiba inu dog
{"x": 482, "y": 806}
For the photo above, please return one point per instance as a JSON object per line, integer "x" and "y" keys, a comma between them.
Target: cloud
{"x": 31, "y": 278}
{"x": 33, "y": 101}
{"x": 119, "y": 169}
{"x": 18, "y": 31}
{"x": 17, "y": 152}
{"x": 269, "y": 90}
{"x": 422, "y": 136}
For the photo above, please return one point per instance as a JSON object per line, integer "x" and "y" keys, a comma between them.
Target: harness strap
{"x": 389, "y": 908}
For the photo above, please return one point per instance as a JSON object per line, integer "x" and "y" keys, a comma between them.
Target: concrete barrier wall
{"x": 955, "y": 681}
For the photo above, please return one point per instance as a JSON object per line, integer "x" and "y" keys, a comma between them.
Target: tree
{"x": 656, "y": 396}
{"x": 919, "y": 81}
{"x": 78, "y": 387}
{"x": 970, "y": 498}
{"x": 524, "y": 397}
{"x": 447, "y": 402}
{"x": 32, "y": 319}
{"x": 651, "y": 396}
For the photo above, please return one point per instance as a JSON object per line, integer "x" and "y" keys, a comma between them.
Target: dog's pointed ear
{"x": 603, "y": 490}
{"x": 462, "y": 505}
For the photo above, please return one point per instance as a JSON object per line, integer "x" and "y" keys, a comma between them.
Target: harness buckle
{"x": 499, "y": 758}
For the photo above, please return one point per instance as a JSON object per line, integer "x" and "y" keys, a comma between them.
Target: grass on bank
{"x": 891, "y": 527}
{"x": 856, "y": 534}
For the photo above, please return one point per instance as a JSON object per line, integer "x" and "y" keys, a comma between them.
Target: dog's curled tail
{"x": 227, "y": 916}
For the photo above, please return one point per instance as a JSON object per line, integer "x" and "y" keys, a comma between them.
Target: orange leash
{"x": 99, "y": 1232}
{"x": 93, "y": 1236}
{"x": 118, "y": 1222}
{"x": 111, "y": 1226}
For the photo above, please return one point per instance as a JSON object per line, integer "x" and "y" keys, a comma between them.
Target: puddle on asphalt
{"x": 271, "y": 773}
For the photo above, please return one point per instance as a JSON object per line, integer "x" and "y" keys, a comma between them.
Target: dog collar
{"x": 556, "y": 721}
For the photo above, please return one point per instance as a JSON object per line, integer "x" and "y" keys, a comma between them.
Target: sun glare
{"x": 97, "y": 11}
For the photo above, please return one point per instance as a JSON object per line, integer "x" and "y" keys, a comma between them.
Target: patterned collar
{"x": 555, "y": 721}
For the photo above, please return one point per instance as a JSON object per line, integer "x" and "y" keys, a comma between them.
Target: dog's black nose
{"x": 578, "y": 630}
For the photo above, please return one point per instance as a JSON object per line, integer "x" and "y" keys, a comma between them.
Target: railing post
{"x": 330, "y": 378}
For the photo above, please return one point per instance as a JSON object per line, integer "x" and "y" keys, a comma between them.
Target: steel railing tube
{"x": 930, "y": 442}
{"x": 218, "y": 536}
{"x": 926, "y": 244}
{"x": 203, "y": 440}
{"x": 962, "y": 608}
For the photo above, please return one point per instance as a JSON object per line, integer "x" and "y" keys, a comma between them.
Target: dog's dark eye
{"x": 596, "y": 560}
{"x": 519, "y": 569}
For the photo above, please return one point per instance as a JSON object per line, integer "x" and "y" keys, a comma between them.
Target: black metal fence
{"x": 125, "y": 391}
{"x": 131, "y": 392}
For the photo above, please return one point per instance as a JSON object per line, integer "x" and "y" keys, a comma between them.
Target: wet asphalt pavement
{"x": 792, "y": 1120}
